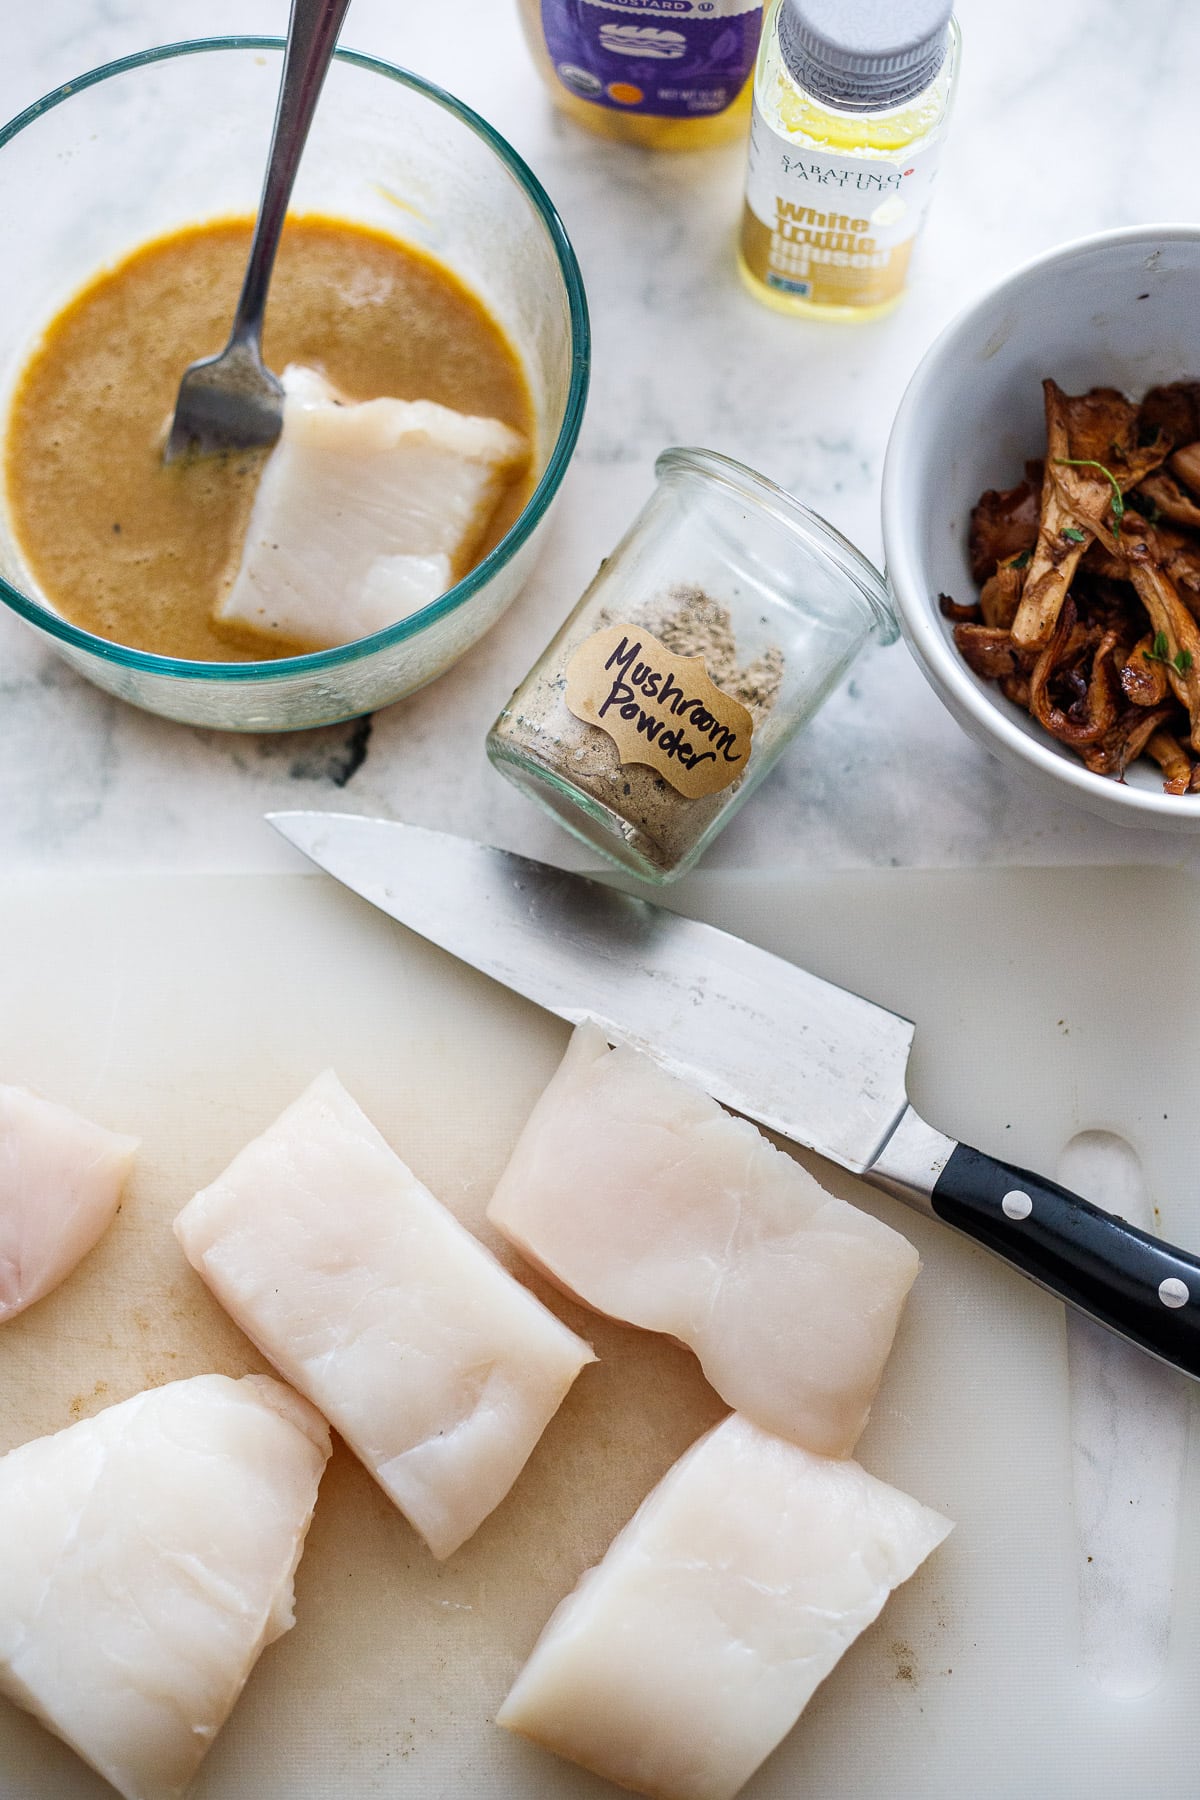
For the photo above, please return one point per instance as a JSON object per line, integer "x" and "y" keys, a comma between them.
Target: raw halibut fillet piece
{"x": 362, "y": 511}
{"x": 683, "y": 1658}
{"x": 60, "y": 1185}
{"x": 648, "y": 1201}
{"x": 146, "y": 1560}
{"x": 440, "y": 1371}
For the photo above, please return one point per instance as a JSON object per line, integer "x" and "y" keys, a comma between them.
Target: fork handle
{"x": 312, "y": 33}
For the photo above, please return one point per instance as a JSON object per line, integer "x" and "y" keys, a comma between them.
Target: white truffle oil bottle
{"x": 851, "y": 103}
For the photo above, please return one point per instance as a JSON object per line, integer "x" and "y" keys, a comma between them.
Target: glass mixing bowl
{"x": 179, "y": 135}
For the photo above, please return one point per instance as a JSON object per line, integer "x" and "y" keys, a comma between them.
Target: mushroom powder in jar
{"x": 715, "y": 629}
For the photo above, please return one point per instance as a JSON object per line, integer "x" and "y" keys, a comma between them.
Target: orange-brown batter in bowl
{"x": 136, "y": 551}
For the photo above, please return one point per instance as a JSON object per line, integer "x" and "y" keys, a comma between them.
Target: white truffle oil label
{"x": 833, "y": 230}
{"x": 660, "y": 709}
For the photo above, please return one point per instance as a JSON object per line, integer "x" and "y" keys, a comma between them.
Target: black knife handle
{"x": 1132, "y": 1282}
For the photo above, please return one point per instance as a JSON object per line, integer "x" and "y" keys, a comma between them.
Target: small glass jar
{"x": 712, "y": 633}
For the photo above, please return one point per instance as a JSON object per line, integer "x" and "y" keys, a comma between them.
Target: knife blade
{"x": 810, "y": 1060}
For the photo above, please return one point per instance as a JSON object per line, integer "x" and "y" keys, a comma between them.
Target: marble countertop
{"x": 682, "y": 355}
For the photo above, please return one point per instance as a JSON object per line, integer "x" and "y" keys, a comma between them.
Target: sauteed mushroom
{"x": 1186, "y": 464}
{"x": 1089, "y": 579}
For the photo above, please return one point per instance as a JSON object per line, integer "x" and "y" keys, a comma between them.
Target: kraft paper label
{"x": 836, "y": 230}
{"x": 660, "y": 709}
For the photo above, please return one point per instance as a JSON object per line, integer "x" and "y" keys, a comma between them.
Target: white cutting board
{"x": 190, "y": 1010}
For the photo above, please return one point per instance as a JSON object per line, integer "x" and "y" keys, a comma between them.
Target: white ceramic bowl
{"x": 1120, "y": 310}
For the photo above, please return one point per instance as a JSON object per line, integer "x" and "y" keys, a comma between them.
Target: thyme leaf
{"x": 1073, "y": 534}
{"x": 1181, "y": 662}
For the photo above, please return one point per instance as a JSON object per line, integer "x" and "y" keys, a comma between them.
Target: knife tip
{"x": 297, "y": 828}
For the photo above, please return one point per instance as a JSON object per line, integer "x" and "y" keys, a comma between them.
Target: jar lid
{"x": 864, "y": 55}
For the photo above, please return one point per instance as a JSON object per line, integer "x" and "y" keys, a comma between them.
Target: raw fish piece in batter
{"x": 683, "y": 1658}
{"x": 364, "y": 512}
{"x": 644, "y": 1198}
{"x": 440, "y": 1371}
{"x": 146, "y": 1560}
{"x": 60, "y": 1186}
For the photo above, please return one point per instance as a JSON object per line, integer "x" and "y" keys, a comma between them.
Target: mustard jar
{"x": 714, "y": 631}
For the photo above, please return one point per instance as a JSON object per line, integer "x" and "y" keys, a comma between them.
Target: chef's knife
{"x": 808, "y": 1059}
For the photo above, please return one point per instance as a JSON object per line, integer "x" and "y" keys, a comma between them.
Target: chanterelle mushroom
{"x": 1088, "y": 614}
{"x": 1169, "y": 618}
{"x": 1092, "y": 459}
{"x": 1186, "y": 464}
{"x": 1173, "y": 502}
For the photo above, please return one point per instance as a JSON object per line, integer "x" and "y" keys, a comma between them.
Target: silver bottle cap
{"x": 864, "y": 55}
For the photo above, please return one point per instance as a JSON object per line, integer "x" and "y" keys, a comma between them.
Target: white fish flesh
{"x": 439, "y": 1370}
{"x": 364, "y": 512}
{"x": 146, "y": 1560}
{"x": 60, "y": 1186}
{"x": 683, "y": 1658}
{"x": 646, "y": 1200}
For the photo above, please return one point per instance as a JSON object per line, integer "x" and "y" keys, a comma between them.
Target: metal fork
{"x": 231, "y": 401}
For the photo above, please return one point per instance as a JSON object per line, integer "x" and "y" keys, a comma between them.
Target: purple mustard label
{"x": 675, "y": 59}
